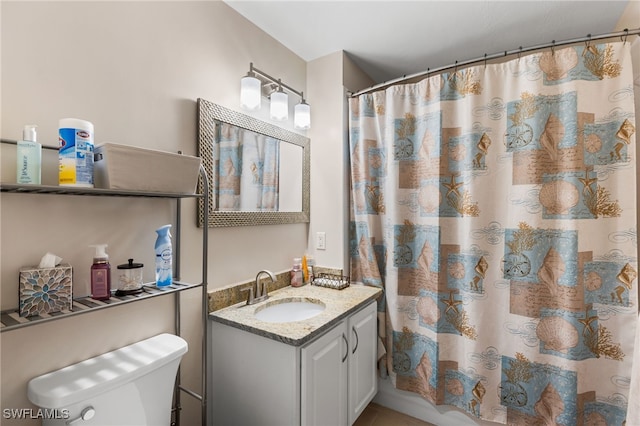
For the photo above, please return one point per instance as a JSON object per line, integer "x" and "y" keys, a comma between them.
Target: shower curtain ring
{"x": 588, "y": 48}
{"x": 455, "y": 72}
{"x": 553, "y": 47}
{"x": 626, "y": 34}
{"x": 485, "y": 60}
{"x": 519, "y": 52}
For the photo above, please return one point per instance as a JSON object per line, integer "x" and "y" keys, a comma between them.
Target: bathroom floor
{"x": 377, "y": 415}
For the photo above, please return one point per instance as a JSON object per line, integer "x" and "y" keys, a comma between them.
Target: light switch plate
{"x": 321, "y": 240}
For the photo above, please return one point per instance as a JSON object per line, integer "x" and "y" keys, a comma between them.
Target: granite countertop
{"x": 338, "y": 305}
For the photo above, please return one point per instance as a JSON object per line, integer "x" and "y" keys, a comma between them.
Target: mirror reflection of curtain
{"x": 228, "y": 164}
{"x": 496, "y": 206}
{"x": 259, "y": 180}
{"x": 247, "y": 167}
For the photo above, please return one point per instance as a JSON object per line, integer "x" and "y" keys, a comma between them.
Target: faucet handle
{"x": 250, "y": 295}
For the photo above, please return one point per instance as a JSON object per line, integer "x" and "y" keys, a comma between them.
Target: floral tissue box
{"x": 45, "y": 290}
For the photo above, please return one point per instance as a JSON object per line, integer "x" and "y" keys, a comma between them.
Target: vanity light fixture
{"x": 257, "y": 84}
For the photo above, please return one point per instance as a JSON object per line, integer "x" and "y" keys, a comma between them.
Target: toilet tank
{"x": 130, "y": 385}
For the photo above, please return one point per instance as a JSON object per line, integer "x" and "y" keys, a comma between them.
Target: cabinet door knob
{"x": 357, "y": 339}
{"x": 346, "y": 354}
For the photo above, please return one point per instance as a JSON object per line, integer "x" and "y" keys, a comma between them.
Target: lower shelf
{"x": 11, "y": 319}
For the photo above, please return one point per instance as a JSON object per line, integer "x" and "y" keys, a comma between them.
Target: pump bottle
{"x": 28, "y": 157}
{"x": 164, "y": 256}
{"x": 100, "y": 274}
{"x": 296, "y": 273}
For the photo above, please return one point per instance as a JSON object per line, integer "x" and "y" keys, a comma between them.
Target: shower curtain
{"x": 496, "y": 207}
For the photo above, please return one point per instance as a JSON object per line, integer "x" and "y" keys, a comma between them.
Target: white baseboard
{"x": 413, "y": 405}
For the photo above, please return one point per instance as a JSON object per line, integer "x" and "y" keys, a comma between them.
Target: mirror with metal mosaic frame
{"x": 227, "y": 206}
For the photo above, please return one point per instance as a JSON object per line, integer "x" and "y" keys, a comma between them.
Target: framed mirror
{"x": 258, "y": 173}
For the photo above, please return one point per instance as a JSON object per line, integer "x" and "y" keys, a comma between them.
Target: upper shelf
{"x": 72, "y": 190}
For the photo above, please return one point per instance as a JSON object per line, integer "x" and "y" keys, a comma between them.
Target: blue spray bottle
{"x": 164, "y": 255}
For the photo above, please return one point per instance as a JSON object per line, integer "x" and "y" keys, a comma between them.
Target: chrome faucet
{"x": 260, "y": 294}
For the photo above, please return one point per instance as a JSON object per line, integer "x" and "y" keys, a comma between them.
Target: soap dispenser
{"x": 100, "y": 274}
{"x": 296, "y": 273}
{"x": 28, "y": 157}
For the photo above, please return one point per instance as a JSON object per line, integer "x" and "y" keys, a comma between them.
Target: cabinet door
{"x": 363, "y": 380}
{"x": 324, "y": 379}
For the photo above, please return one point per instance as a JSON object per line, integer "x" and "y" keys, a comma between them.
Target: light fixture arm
{"x": 255, "y": 70}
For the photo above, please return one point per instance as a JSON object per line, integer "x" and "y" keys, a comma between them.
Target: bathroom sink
{"x": 289, "y": 310}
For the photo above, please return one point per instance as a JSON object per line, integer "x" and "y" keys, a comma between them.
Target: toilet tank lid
{"x": 86, "y": 379}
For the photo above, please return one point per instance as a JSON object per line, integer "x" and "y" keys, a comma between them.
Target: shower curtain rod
{"x": 622, "y": 34}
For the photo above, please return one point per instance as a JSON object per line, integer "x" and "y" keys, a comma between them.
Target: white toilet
{"x": 132, "y": 385}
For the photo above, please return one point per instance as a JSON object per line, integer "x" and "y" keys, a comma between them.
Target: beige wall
{"x": 328, "y": 161}
{"x": 134, "y": 69}
{"x": 629, "y": 18}
{"x": 328, "y": 80}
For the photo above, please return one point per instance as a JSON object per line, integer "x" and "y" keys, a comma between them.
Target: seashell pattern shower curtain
{"x": 496, "y": 207}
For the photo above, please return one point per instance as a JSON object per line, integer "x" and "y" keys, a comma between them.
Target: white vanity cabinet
{"x": 329, "y": 380}
{"x": 363, "y": 356}
{"x": 339, "y": 371}
{"x": 325, "y": 379}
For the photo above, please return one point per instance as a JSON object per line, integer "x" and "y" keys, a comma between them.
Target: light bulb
{"x": 279, "y": 110}
{"x": 250, "y": 88}
{"x": 302, "y": 116}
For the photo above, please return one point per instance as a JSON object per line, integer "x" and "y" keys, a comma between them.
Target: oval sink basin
{"x": 289, "y": 310}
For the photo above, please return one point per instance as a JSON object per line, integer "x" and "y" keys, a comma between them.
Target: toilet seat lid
{"x": 86, "y": 379}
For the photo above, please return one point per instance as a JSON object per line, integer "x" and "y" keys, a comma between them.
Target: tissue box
{"x": 45, "y": 290}
{"x": 138, "y": 169}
